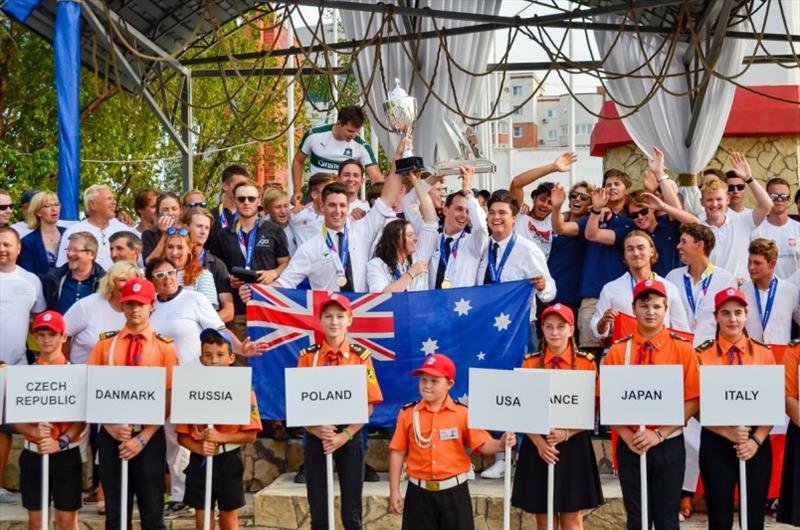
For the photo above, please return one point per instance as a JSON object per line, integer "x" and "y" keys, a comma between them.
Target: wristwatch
{"x": 62, "y": 444}
{"x": 660, "y": 436}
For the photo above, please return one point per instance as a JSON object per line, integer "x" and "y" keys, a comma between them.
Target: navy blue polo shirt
{"x": 72, "y": 290}
{"x": 603, "y": 263}
{"x": 566, "y": 264}
{"x": 666, "y": 237}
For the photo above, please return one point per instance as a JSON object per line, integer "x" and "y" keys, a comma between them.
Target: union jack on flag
{"x": 484, "y": 326}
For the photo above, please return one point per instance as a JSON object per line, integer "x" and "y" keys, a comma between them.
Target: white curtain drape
{"x": 664, "y": 119}
{"x": 470, "y": 51}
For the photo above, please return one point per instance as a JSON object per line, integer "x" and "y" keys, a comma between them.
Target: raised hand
{"x": 565, "y": 161}
{"x": 741, "y": 166}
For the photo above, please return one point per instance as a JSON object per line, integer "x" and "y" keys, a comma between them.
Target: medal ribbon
{"x": 248, "y": 247}
{"x": 687, "y": 285}
{"x": 496, "y": 270}
{"x": 764, "y": 314}
{"x": 342, "y": 254}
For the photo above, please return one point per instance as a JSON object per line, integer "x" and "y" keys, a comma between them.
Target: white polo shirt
{"x": 306, "y": 224}
{"x": 313, "y": 259}
{"x": 619, "y": 295}
{"x": 540, "y": 232}
{"x": 701, "y": 320}
{"x": 20, "y": 296}
{"x": 784, "y": 310}
{"x": 379, "y": 276}
{"x": 732, "y": 241}
{"x": 103, "y": 236}
{"x": 787, "y": 237}
{"x": 85, "y": 320}
{"x": 183, "y": 318}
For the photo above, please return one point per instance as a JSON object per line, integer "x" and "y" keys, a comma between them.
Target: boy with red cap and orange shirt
{"x": 59, "y": 440}
{"x": 430, "y": 436}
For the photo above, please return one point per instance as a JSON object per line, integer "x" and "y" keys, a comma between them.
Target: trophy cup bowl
{"x": 401, "y": 113}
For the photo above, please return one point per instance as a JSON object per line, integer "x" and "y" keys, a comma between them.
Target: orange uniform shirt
{"x": 156, "y": 351}
{"x": 58, "y": 428}
{"x": 568, "y": 360}
{"x": 448, "y": 432}
{"x": 668, "y": 348}
{"x": 255, "y": 424}
{"x": 791, "y": 359}
{"x": 747, "y": 352}
{"x": 349, "y": 354}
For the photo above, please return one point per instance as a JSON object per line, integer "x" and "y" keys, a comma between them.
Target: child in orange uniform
{"x": 430, "y": 437}
{"x": 221, "y": 441}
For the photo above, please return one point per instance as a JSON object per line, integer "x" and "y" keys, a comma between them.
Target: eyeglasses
{"x": 641, "y": 213}
{"x": 160, "y": 275}
{"x": 246, "y": 198}
{"x": 578, "y": 195}
{"x": 52, "y": 205}
{"x": 200, "y": 204}
{"x": 4, "y": 207}
{"x": 171, "y": 231}
{"x": 76, "y": 250}
{"x": 779, "y": 196}
{"x": 736, "y": 187}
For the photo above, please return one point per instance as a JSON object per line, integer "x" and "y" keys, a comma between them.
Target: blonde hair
{"x": 37, "y": 203}
{"x": 271, "y": 195}
{"x": 120, "y": 269}
{"x": 714, "y": 185}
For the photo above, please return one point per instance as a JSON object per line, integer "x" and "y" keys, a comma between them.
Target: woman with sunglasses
{"x": 168, "y": 210}
{"x": 40, "y": 247}
{"x": 184, "y": 255}
{"x": 778, "y": 227}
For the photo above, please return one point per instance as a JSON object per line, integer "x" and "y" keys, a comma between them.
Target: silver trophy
{"x": 453, "y": 150}
{"x": 401, "y": 112}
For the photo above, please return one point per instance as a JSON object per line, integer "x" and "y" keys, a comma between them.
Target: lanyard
{"x": 495, "y": 271}
{"x": 223, "y": 219}
{"x": 687, "y": 285}
{"x": 343, "y": 253}
{"x": 650, "y": 276}
{"x": 453, "y": 250}
{"x": 764, "y": 314}
{"x": 248, "y": 248}
{"x": 401, "y": 269}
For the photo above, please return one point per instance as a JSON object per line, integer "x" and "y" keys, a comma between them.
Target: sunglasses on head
{"x": 200, "y": 204}
{"x": 160, "y": 275}
{"x": 4, "y": 207}
{"x": 578, "y": 195}
{"x": 171, "y": 231}
{"x": 246, "y": 198}
{"x": 641, "y": 213}
{"x": 736, "y": 187}
{"x": 779, "y": 196}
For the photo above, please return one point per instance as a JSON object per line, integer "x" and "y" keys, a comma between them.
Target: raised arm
{"x": 518, "y": 183}
{"x": 298, "y": 162}
{"x": 560, "y": 226}
{"x": 594, "y": 233}
{"x": 743, "y": 171}
{"x": 426, "y": 207}
{"x": 669, "y": 193}
{"x": 677, "y": 214}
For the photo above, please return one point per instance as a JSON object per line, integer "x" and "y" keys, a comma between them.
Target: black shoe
{"x": 370, "y": 475}
{"x": 300, "y": 477}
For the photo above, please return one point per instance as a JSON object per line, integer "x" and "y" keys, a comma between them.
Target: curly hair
{"x": 391, "y": 242}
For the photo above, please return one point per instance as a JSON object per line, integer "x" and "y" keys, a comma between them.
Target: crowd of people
{"x": 612, "y": 268}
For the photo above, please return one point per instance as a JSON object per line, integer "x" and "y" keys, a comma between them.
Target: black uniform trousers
{"x": 449, "y": 509}
{"x": 145, "y": 480}
{"x": 719, "y": 468}
{"x": 665, "y": 467}
{"x": 349, "y": 461}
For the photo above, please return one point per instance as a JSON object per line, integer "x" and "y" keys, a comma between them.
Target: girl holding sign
{"x": 721, "y": 448}
{"x": 577, "y": 481}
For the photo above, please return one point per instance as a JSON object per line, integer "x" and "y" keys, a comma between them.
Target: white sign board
{"x": 211, "y": 395}
{"x": 46, "y": 393}
{"x": 571, "y": 398}
{"x": 641, "y": 395}
{"x": 509, "y": 400}
{"x": 742, "y": 395}
{"x": 329, "y": 395}
{"x": 126, "y": 394}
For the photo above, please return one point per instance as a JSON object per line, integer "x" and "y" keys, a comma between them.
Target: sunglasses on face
{"x": 200, "y": 204}
{"x": 736, "y": 187}
{"x": 246, "y": 198}
{"x": 171, "y": 231}
{"x": 4, "y": 207}
{"x": 160, "y": 275}
{"x": 578, "y": 195}
{"x": 641, "y": 213}
{"x": 779, "y": 196}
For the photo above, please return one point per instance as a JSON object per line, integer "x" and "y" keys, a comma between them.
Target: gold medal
{"x": 341, "y": 281}
{"x": 446, "y": 284}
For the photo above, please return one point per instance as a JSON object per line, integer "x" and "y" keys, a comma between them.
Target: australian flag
{"x": 484, "y": 327}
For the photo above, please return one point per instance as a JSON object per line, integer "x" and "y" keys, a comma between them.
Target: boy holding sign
{"x": 344, "y": 442}
{"x": 652, "y": 343}
{"x": 789, "y": 502}
{"x": 59, "y": 440}
{"x": 577, "y": 480}
{"x": 221, "y": 441}
{"x": 430, "y": 437}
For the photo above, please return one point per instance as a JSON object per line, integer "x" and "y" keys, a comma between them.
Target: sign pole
{"x": 743, "y": 494}
{"x": 329, "y": 478}
{"x": 45, "y": 490}
{"x": 643, "y": 475}
{"x": 507, "y": 490}
{"x": 551, "y": 481}
{"x": 123, "y": 497}
{"x": 207, "y": 501}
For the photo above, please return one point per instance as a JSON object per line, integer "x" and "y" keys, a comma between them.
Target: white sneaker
{"x": 496, "y": 470}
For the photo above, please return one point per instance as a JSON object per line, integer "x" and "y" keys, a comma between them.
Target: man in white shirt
{"x": 737, "y": 190}
{"x": 778, "y": 227}
{"x": 351, "y": 176}
{"x": 699, "y": 280}
{"x": 639, "y": 254}
{"x": 772, "y": 302}
{"x": 307, "y": 221}
{"x": 336, "y": 258}
{"x": 732, "y": 232}
{"x": 100, "y": 207}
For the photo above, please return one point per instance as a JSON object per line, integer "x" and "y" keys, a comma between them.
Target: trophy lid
{"x": 398, "y": 91}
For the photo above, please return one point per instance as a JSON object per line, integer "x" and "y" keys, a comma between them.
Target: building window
{"x": 551, "y": 113}
{"x": 551, "y": 135}
{"x": 518, "y": 111}
{"x": 516, "y": 90}
{"x": 517, "y": 132}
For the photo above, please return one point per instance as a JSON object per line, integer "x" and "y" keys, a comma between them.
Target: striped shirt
{"x": 204, "y": 284}
{"x": 326, "y": 152}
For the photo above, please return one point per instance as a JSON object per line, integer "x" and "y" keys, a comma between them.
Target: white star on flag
{"x": 502, "y": 322}
{"x": 481, "y": 356}
{"x": 462, "y": 307}
{"x": 430, "y": 346}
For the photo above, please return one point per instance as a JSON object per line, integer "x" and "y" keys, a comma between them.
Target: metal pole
{"x": 572, "y": 176}
{"x": 335, "y": 56}
{"x": 290, "y": 113}
{"x": 207, "y": 501}
{"x": 643, "y": 478}
{"x": 329, "y": 479}
{"x": 187, "y": 133}
{"x": 551, "y": 482}
{"x": 743, "y": 495}
{"x": 123, "y": 497}
{"x": 507, "y": 491}
{"x": 45, "y": 490}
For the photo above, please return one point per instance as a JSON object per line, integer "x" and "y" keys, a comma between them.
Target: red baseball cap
{"x": 649, "y": 286}
{"x": 560, "y": 310}
{"x": 51, "y": 320}
{"x": 437, "y": 365}
{"x": 729, "y": 294}
{"x": 138, "y": 290}
{"x": 335, "y": 298}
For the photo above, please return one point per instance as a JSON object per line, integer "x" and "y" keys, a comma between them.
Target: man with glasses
{"x": 737, "y": 189}
{"x": 778, "y": 227}
{"x": 6, "y": 207}
{"x": 78, "y": 277}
